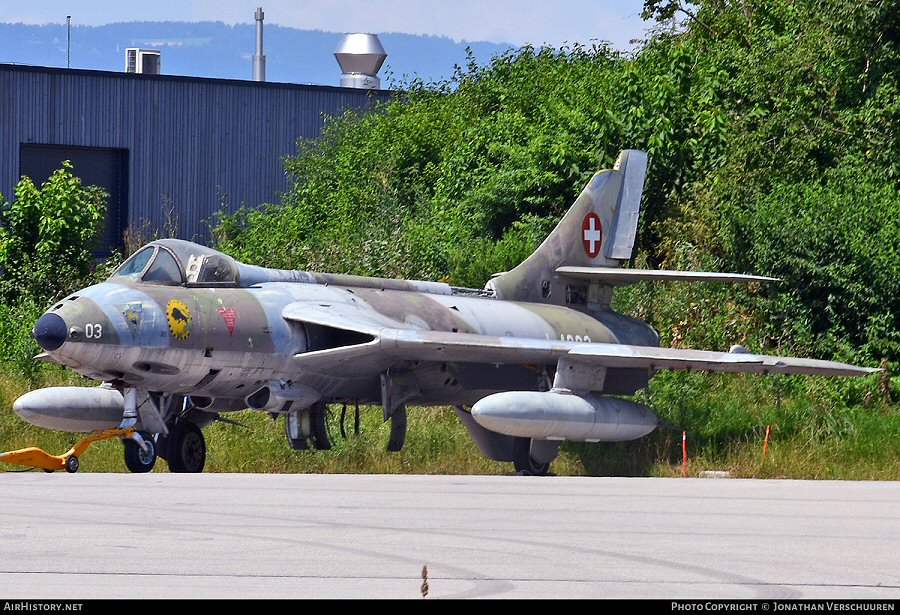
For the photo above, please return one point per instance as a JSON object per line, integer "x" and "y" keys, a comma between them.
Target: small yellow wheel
{"x": 72, "y": 464}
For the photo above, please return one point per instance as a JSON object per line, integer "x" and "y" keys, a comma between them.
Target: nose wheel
{"x": 140, "y": 456}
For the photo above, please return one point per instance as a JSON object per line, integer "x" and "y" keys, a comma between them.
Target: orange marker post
{"x": 684, "y": 454}
{"x": 766, "y": 442}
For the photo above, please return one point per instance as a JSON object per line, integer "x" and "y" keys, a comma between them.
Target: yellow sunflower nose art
{"x": 179, "y": 317}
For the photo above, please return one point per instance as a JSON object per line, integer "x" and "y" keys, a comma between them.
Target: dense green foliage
{"x": 47, "y": 237}
{"x": 772, "y": 133}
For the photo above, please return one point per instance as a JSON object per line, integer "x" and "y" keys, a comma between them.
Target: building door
{"x": 96, "y": 166}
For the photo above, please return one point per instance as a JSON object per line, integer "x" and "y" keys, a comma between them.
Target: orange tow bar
{"x": 38, "y": 458}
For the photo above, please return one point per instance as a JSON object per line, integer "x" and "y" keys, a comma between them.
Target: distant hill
{"x": 214, "y": 49}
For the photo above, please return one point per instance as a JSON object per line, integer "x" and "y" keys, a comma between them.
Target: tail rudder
{"x": 598, "y": 231}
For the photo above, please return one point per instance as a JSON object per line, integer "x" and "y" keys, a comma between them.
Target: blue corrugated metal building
{"x": 159, "y": 142}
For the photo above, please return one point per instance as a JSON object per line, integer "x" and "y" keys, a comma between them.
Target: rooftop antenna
{"x": 68, "y": 37}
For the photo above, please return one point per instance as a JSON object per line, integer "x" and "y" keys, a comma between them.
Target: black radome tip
{"x": 50, "y": 331}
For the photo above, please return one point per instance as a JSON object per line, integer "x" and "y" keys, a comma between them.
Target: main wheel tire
{"x": 136, "y": 459}
{"x": 186, "y": 451}
{"x": 524, "y": 462}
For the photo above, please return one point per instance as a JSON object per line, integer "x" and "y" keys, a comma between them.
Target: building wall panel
{"x": 192, "y": 142}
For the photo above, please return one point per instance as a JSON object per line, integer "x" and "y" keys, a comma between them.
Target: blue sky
{"x": 507, "y": 21}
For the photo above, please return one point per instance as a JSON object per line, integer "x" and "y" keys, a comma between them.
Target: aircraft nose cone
{"x": 50, "y": 331}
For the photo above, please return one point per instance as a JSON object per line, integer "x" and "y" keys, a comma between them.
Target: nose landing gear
{"x": 140, "y": 452}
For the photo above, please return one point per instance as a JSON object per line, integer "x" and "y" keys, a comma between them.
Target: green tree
{"x": 47, "y": 236}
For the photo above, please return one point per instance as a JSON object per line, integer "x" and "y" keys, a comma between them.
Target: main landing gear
{"x": 524, "y": 461}
{"x": 185, "y": 448}
{"x": 530, "y": 457}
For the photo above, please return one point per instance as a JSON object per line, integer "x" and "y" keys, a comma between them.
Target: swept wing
{"x": 387, "y": 340}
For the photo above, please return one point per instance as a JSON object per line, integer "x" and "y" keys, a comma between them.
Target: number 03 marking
{"x": 92, "y": 331}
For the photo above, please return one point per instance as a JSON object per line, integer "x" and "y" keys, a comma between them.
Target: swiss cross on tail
{"x": 591, "y": 234}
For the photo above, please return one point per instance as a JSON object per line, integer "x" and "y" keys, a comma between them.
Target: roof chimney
{"x": 360, "y": 56}
{"x": 259, "y": 60}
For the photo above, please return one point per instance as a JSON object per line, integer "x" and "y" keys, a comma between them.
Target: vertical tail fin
{"x": 598, "y": 231}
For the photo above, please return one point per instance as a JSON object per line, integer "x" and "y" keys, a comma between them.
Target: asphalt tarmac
{"x": 83, "y": 536}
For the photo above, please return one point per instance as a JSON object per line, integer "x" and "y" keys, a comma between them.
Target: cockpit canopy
{"x": 173, "y": 262}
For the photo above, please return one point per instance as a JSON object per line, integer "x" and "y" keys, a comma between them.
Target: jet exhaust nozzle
{"x": 564, "y": 416}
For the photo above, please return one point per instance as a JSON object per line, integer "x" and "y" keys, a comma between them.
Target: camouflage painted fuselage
{"x": 225, "y": 343}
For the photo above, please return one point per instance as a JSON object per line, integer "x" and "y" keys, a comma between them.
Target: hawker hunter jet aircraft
{"x": 181, "y": 333}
